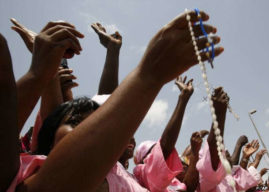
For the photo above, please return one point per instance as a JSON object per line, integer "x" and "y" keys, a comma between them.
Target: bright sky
{"x": 242, "y": 69}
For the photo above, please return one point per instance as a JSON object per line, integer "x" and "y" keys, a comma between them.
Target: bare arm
{"x": 220, "y": 103}
{"x": 109, "y": 79}
{"x": 171, "y": 132}
{"x": 242, "y": 140}
{"x": 191, "y": 178}
{"x": 105, "y": 134}
{"x": 9, "y": 133}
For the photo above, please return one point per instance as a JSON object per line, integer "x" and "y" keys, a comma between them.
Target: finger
{"x": 60, "y": 27}
{"x": 208, "y": 28}
{"x": 16, "y": 23}
{"x": 202, "y": 43}
{"x": 54, "y": 23}
{"x": 65, "y": 71}
{"x": 217, "y": 50}
{"x": 67, "y": 77}
{"x": 181, "y": 22}
{"x": 64, "y": 34}
{"x": 190, "y": 82}
{"x": 95, "y": 28}
{"x": 184, "y": 80}
{"x": 20, "y": 31}
{"x": 101, "y": 27}
{"x": 69, "y": 43}
{"x": 69, "y": 85}
{"x": 217, "y": 91}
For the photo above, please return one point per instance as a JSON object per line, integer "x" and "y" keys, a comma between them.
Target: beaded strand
{"x": 219, "y": 140}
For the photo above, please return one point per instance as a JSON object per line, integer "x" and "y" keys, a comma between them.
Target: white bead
{"x": 220, "y": 154}
{"x": 199, "y": 58}
{"x": 217, "y": 131}
{"x": 196, "y": 48}
{"x": 222, "y": 147}
{"x": 206, "y": 84}
{"x": 193, "y": 38}
{"x": 215, "y": 126}
{"x": 201, "y": 65}
{"x": 204, "y": 76}
{"x": 227, "y": 166}
{"x": 210, "y": 102}
{"x": 192, "y": 33}
{"x": 218, "y": 147}
{"x": 188, "y": 17}
{"x": 207, "y": 90}
{"x": 197, "y": 53}
{"x": 194, "y": 43}
{"x": 219, "y": 139}
{"x": 214, "y": 117}
{"x": 190, "y": 25}
{"x": 212, "y": 110}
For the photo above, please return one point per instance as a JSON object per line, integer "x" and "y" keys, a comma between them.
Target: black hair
{"x": 75, "y": 109}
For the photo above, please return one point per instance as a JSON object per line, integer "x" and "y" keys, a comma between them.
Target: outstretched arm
{"x": 109, "y": 79}
{"x": 32, "y": 84}
{"x": 105, "y": 133}
{"x": 220, "y": 100}
{"x": 191, "y": 178}
{"x": 248, "y": 150}
{"x": 242, "y": 140}
{"x": 9, "y": 133}
{"x": 170, "y": 134}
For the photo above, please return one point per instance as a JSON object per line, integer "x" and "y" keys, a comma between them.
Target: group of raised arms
{"x": 81, "y": 144}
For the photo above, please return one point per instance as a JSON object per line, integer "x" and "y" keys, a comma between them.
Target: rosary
{"x": 210, "y": 44}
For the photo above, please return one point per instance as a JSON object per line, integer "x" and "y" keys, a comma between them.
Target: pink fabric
{"x": 244, "y": 179}
{"x": 158, "y": 174}
{"x": 29, "y": 164}
{"x": 120, "y": 180}
{"x": 208, "y": 178}
{"x": 142, "y": 150}
{"x": 36, "y": 129}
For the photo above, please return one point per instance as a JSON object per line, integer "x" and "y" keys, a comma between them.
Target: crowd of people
{"x": 85, "y": 144}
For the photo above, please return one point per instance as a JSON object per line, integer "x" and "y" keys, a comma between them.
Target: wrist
{"x": 114, "y": 48}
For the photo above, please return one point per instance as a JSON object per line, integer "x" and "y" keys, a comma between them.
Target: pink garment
{"x": 142, "y": 150}
{"x": 217, "y": 181}
{"x": 36, "y": 129}
{"x": 244, "y": 179}
{"x": 158, "y": 174}
{"x": 120, "y": 180}
{"x": 29, "y": 164}
{"x": 208, "y": 178}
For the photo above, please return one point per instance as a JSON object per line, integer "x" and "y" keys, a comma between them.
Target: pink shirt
{"x": 29, "y": 164}
{"x": 217, "y": 181}
{"x": 119, "y": 180}
{"x": 208, "y": 177}
{"x": 158, "y": 174}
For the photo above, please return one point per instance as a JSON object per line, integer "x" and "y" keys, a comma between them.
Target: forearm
{"x": 191, "y": 178}
{"x": 51, "y": 98}
{"x": 109, "y": 79}
{"x": 236, "y": 154}
{"x": 29, "y": 89}
{"x": 244, "y": 161}
{"x": 221, "y": 115}
{"x": 101, "y": 138}
{"x": 171, "y": 132}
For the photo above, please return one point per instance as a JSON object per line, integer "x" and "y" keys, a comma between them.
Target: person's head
{"x": 58, "y": 124}
{"x": 143, "y": 150}
{"x": 128, "y": 153}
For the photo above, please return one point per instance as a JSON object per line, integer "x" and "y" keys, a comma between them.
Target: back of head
{"x": 72, "y": 111}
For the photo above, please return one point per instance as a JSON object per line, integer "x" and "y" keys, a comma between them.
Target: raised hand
{"x": 185, "y": 88}
{"x": 251, "y": 148}
{"x": 66, "y": 76}
{"x": 220, "y": 99}
{"x": 196, "y": 142}
{"x": 203, "y": 133}
{"x": 27, "y": 35}
{"x": 171, "y": 52}
{"x": 258, "y": 158}
{"x": 263, "y": 171}
{"x": 108, "y": 41}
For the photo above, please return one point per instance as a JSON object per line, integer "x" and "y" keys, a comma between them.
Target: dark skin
{"x": 242, "y": 140}
{"x": 248, "y": 150}
{"x": 167, "y": 50}
{"x": 258, "y": 158}
{"x": 220, "y": 103}
{"x": 191, "y": 178}
{"x": 109, "y": 79}
{"x": 171, "y": 132}
{"x": 128, "y": 154}
{"x": 9, "y": 133}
